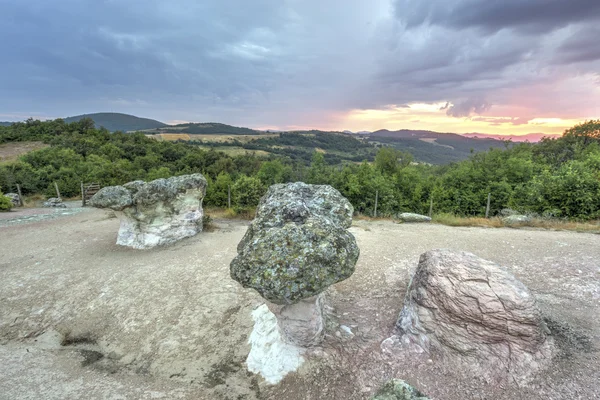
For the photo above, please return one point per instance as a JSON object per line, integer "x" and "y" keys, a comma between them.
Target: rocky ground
{"x": 81, "y": 317}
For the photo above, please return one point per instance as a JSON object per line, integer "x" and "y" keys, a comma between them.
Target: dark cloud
{"x": 468, "y": 107}
{"x": 284, "y": 63}
{"x": 582, "y": 46}
{"x": 530, "y": 16}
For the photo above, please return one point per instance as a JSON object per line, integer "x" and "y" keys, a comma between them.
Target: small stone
{"x": 516, "y": 219}
{"x": 397, "y": 389}
{"x": 54, "y": 202}
{"x": 411, "y": 217}
{"x": 347, "y": 330}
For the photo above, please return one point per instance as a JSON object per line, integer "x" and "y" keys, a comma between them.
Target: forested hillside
{"x": 118, "y": 122}
{"x": 558, "y": 177}
{"x": 433, "y": 147}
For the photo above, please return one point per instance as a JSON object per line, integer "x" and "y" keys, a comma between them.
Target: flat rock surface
{"x": 170, "y": 323}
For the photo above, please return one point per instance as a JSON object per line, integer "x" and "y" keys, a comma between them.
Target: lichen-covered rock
{"x": 516, "y": 219}
{"x": 54, "y": 202}
{"x": 14, "y": 199}
{"x": 410, "y": 217}
{"x": 397, "y": 389}
{"x": 298, "y": 244}
{"x": 461, "y": 306}
{"x": 155, "y": 213}
{"x": 114, "y": 197}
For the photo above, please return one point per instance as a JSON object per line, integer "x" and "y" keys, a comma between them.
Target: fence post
{"x": 487, "y": 208}
{"x": 82, "y": 195}
{"x": 20, "y": 195}
{"x": 430, "y": 205}
{"x": 228, "y": 196}
{"x": 57, "y": 192}
{"x": 376, "y": 198}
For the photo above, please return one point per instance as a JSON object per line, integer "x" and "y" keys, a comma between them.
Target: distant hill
{"x": 433, "y": 147}
{"x": 5, "y": 123}
{"x": 530, "y": 137}
{"x": 204, "y": 128}
{"x": 119, "y": 122}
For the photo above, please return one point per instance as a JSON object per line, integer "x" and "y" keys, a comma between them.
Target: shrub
{"x": 5, "y": 203}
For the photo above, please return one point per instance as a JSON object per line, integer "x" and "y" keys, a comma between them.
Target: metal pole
{"x": 487, "y": 208}
{"x": 82, "y": 195}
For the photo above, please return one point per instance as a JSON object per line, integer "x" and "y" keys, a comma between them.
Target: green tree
{"x": 247, "y": 192}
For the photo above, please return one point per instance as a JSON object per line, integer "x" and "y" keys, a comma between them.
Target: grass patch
{"x": 496, "y": 222}
{"x": 231, "y": 213}
{"x": 453, "y": 220}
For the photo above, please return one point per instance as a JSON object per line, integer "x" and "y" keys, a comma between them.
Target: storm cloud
{"x": 290, "y": 63}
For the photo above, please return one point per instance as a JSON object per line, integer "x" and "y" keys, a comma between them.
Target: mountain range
{"x": 426, "y": 146}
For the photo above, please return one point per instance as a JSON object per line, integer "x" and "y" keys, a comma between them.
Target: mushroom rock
{"x": 296, "y": 247}
{"x": 470, "y": 310}
{"x": 155, "y": 213}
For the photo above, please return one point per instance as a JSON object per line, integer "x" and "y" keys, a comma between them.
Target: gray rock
{"x": 516, "y": 219}
{"x": 54, "y": 202}
{"x": 114, "y": 197}
{"x": 397, "y": 389}
{"x": 410, "y": 217}
{"x": 156, "y": 213}
{"x": 14, "y": 199}
{"x": 466, "y": 308}
{"x": 507, "y": 212}
{"x": 298, "y": 244}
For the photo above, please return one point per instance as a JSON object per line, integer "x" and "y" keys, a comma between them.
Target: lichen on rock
{"x": 297, "y": 245}
{"x": 155, "y": 213}
{"x": 397, "y": 389}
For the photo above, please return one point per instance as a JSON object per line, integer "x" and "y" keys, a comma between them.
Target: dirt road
{"x": 81, "y": 317}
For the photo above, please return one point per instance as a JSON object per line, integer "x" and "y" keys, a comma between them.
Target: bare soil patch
{"x": 81, "y": 317}
{"x": 12, "y": 151}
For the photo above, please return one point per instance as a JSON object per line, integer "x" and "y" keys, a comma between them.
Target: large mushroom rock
{"x": 470, "y": 309}
{"x": 296, "y": 247}
{"x": 155, "y": 213}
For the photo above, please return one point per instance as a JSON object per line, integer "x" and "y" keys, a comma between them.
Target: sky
{"x": 490, "y": 66}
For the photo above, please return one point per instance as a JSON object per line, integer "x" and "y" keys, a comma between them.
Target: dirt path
{"x": 81, "y": 317}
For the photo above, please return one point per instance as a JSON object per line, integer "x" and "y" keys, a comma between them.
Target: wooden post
{"x": 430, "y": 205}
{"x": 487, "y": 208}
{"x": 228, "y": 196}
{"x": 20, "y": 195}
{"x": 57, "y": 192}
{"x": 376, "y": 198}
{"x": 82, "y": 195}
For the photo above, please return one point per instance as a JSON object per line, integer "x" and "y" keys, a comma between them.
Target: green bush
{"x": 5, "y": 203}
